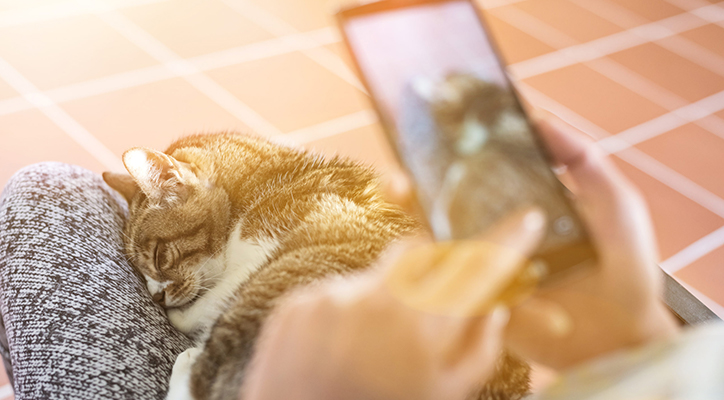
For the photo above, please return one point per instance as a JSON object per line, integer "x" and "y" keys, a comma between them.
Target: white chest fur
{"x": 229, "y": 270}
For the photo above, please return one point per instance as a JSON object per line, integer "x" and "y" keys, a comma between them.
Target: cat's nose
{"x": 160, "y": 298}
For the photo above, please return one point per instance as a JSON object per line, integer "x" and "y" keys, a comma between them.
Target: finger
{"x": 477, "y": 348}
{"x": 476, "y": 272}
{"x": 464, "y": 278}
{"x": 410, "y": 259}
{"x": 583, "y": 160}
{"x": 615, "y": 213}
{"x": 397, "y": 188}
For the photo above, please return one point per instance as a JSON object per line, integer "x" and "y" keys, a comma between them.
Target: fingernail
{"x": 500, "y": 315}
{"x": 561, "y": 323}
{"x": 534, "y": 220}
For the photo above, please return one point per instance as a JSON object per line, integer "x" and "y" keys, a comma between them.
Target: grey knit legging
{"x": 79, "y": 323}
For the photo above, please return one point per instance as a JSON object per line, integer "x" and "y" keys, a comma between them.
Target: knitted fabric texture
{"x": 79, "y": 321}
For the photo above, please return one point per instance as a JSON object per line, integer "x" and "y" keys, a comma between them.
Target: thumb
{"x": 537, "y": 323}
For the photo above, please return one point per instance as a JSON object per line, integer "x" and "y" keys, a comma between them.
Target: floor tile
{"x": 152, "y": 115}
{"x": 303, "y": 15}
{"x": 604, "y": 102}
{"x": 670, "y": 71}
{"x": 693, "y": 152}
{"x": 59, "y": 52}
{"x": 340, "y": 49}
{"x": 291, "y": 91}
{"x": 6, "y": 91}
{"x": 652, "y": 10}
{"x": 29, "y": 137}
{"x": 194, "y": 27}
{"x": 706, "y": 275}
{"x": 16, "y": 5}
{"x": 514, "y": 44}
{"x": 367, "y": 145}
{"x": 678, "y": 221}
{"x": 576, "y": 22}
{"x": 708, "y": 36}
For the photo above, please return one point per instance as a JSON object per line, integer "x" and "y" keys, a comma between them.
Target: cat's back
{"x": 275, "y": 188}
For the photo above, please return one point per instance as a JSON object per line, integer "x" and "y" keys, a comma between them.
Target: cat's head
{"x": 177, "y": 223}
{"x": 469, "y": 109}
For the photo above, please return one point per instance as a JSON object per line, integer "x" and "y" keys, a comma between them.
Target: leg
{"x": 79, "y": 322}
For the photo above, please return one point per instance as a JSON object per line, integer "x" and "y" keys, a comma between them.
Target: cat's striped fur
{"x": 222, "y": 225}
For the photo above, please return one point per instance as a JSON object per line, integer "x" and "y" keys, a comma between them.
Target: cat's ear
{"x": 122, "y": 183}
{"x": 159, "y": 176}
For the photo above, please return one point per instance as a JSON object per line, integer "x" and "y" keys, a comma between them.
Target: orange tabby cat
{"x": 222, "y": 225}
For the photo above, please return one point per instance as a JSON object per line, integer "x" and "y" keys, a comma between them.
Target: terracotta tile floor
{"x": 82, "y": 81}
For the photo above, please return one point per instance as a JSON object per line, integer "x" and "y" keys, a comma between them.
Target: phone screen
{"x": 458, "y": 126}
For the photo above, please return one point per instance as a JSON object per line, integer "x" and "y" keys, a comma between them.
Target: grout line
{"x": 613, "y": 12}
{"x": 13, "y": 105}
{"x": 268, "y": 48}
{"x": 190, "y": 73}
{"x": 111, "y": 83}
{"x": 676, "y": 117}
{"x": 566, "y": 114}
{"x": 539, "y": 30}
{"x": 278, "y": 27}
{"x": 713, "y": 124}
{"x": 643, "y": 86}
{"x": 332, "y": 127}
{"x": 572, "y": 55}
{"x": 687, "y": 4}
{"x": 637, "y": 83}
{"x": 664, "y": 123}
{"x": 642, "y": 132}
{"x": 694, "y": 251}
{"x": 56, "y": 114}
{"x": 714, "y": 15}
{"x": 6, "y": 391}
{"x": 142, "y": 76}
{"x": 695, "y": 53}
{"x": 65, "y": 9}
{"x": 490, "y": 4}
{"x": 676, "y": 44}
{"x": 577, "y": 53}
{"x": 673, "y": 179}
{"x": 636, "y": 158}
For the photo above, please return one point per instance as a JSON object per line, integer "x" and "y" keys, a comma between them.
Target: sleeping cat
{"x": 222, "y": 225}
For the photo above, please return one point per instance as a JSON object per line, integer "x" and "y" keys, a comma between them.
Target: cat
{"x": 222, "y": 225}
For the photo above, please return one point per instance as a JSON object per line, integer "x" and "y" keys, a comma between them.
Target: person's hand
{"x": 617, "y": 303}
{"x": 425, "y": 326}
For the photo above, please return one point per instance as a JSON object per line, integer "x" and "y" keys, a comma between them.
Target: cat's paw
{"x": 178, "y": 385}
{"x": 180, "y": 320}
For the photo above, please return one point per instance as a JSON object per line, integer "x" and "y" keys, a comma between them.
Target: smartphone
{"x": 457, "y": 125}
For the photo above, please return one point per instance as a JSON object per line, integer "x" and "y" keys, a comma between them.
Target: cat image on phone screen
{"x": 475, "y": 158}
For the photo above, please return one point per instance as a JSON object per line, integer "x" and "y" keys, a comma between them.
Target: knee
{"x": 47, "y": 172}
{"x": 54, "y": 182}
